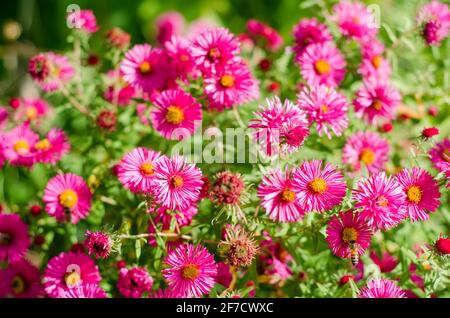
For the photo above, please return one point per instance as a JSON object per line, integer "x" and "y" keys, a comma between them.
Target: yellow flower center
{"x": 324, "y": 108}
{"x": 18, "y": 285}
{"x": 31, "y": 112}
{"x": 288, "y": 195}
{"x": 43, "y": 144}
{"x": 174, "y": 115}
{"x": 318, "y": 185}
{"x": 72, "y": 279}
{"x": 147, "y": 169}
{"x": 145, "y": 68}
{"x": 377, "y": 104}
{"x": 376, "y": 61}
{"x": 445, "y": 155}
{"x": 176, "y": 181}
{"x": 68, "y": 198}
{"x": 349, "y": 234}
{"x": 367, "y": 156}
{"x": 21, "y": 147}
{"x": 214, "y": 53}
{"x": 184, "y": 58}
{"x": 227, "y": 81}
{"x": 382, "y": 201}
{"x": 190, "y": 271}
{"x": 414, "y": 194}
{"x": 322, "y": 67}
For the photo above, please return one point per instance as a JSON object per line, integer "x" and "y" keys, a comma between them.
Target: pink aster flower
{"x": 322, "y": 63}
{"x": 133, "y": 282}
{"x": 14, "y": 238}
{"x": 347, "y": 229}
{"x": 98, "y": 244}
{"x": 178, "y": 183}
{"x": 214, "y": 47}
{"x": 366, "y": 149}
{"x": 18, "y": 145}
{"x": 50, "y": 70}
{"x": 232, "y": 84}
{"x": 68, "y": 270}
{"x": 376, "y": 100}
{"x": 326, "y": 107}
{"x": 275, "y": 261}
{"x": 176, "y": 114}
{"x": 355, "y": 20}
{"x": 434, "y": 18}
{"x": 191, "y": 270}
{"x": 224, "y": 276}
{"x": 145, "y": 68}
{"x": 279, "y": 128}
{"x": 67, "y": 198}
{"x": 307, "y": 32}
{"x": 136, "y": 169}
{"x": 386, "y": 262}
{"x": 118, "y": 91}
{"x": 381, "y": 288}
{"x": 440, "y": 155}
{"x": 319, "y": 188}
{"x": 422, "y": 192}
{"x": 381, "y": 200}
{"x": 51, "y": 148}
{"x": 21, "y": 280}
{"x": 83, "y": 20}
{"x": 180, "y": 56}
{"x": 266, "y": 35}
{"x": 373, "y": 64}
{"x": 278, "y": 197}
{"x": 84, "y": 291}
{"x": 168, "y": 24}
{"x": 31, "y": 109}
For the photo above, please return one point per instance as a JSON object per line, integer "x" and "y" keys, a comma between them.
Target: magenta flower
{"x": 231, "y": 84}
{"x": 84, "y": 291}
{"x": 266, "y": 35}
{"x": 376, "y": 100}
{"x": 355, "y": 20}
{"x": 98, "y": 244}
{"x": 68, "y": 270}
{"x": 278, "y": 198}
{"x": 381, "y": 200}
{"x": 84, "y": 20}
{"x": 373, "y": 65}
{"x": 319, "y": 187}
{"x": 136, "y": 169}
{"x": 14, "y": 238}
{"x": 178, "y": 183}
{"x": 322, "y": 63}
{"x": 51, "y": 148}
{"x": 307, "y": 32}
{"x": 168, "y": 24}
{"x": 279, "y": 128}
{"x": 191, "y": 270}
{"x": 50, "y": 70}
{"x": 133, "y": 282}
{"x": 67, "y": 198}
{"x": 164, "y": 293}
{"x": 146, "y": 68}
{"x": 434, "y": 19}
{"x": 18, "y": 145}
{"x": 381, "y": 288}
{"x": 440, "y": 155}
{"x": 326, "y": 107}
{"x": 386, "y": 262}
{"x": 180, "y": 56}
{"x": 345, "y": 229}
{"x": 21, "y": 280}
{"x": 176, "y": 115}
{"x": 422, "y": 192}
{"x": 32, "y": 109}
{"x": 366, "y": 149}
{"x": 118, "y": 92}
{"x": 214, "y": 48}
